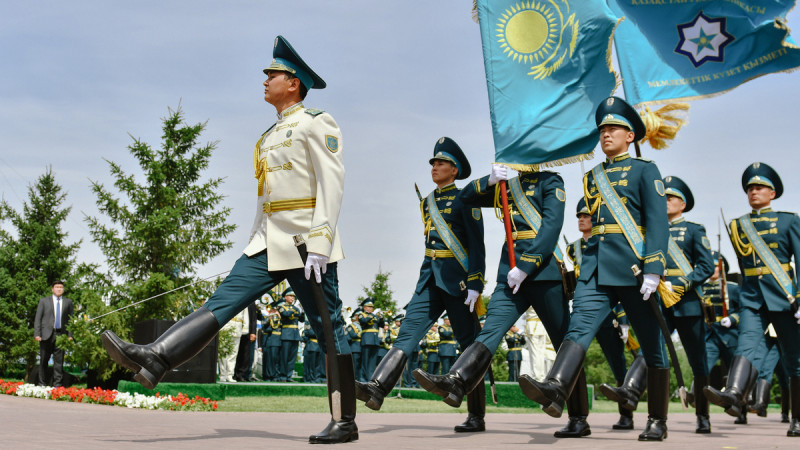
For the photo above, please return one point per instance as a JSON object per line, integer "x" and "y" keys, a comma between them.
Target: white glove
{"x": 319, "y": 263}
{"x": 797, "y": 316}
{"x": 623, "y": 332}
{"x": 668, "y": 284}
{"x": 499, "y": 173}
{"x": 472, "y": 297}
{"x": 725, "y": 322}
{"x": 649, "y": 285}
{"x": 515, "y": 278}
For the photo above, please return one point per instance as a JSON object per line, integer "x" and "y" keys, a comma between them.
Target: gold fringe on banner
{"x": 663, "y": 124}
{"x": 546, "y": 164}
{"x": 668, "y": 297}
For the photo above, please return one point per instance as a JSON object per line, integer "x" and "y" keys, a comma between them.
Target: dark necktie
{"x": 58, "y": 314}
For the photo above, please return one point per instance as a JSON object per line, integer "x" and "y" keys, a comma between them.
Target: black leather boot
{"x": 177, "y": 345}
{"x": 632, "y": 388}
{"x": 794, "y": 392}
{"x": 761, "y": 398}
{"x": 701, "y": 406}
{"x": 476, "y": 407}
{"x": 657, "y": 404}
{"x": 463, "y": 377}
{"x": 625, "y": 421}
{"x": 785, "y": 401}
{"x": 552, "y": 393}
{"x": 383, "y": 379}
{"x": 731, "y": 398}
{"x": 690, "y": 395}
{"x": 741, "y": 419}
{"x": 340, "y": 429}
{"x": 578, "y": 408}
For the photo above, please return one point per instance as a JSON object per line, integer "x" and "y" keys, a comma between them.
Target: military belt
{"x": 370, "y": 330}
{"x": 313, "y": 340}
{"x": 446, "y": 342}
{"x": 438, "y": 253}
{"x": 288, "y": 326}
{"x": 515, "y": 349}
{"x": 288, "y": 205}
{"x": 524, "y": 234}
{"x": 611, "y": 229}
{"x": 356, "y": 340}
{"x": 756, "y": 271}
{"x": 674, "y": 273}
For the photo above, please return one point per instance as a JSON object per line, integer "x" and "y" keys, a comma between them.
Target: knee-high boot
{"x": 733, "y": 395}
{"x": 177, "y": 345}
{"x": 552, "y": 393}
{"x": 761, "y": 398}
{"x": 476, "y": 408}
{"x": 701, "y": 405}
{"x": 632, "y": 388}
{"x": 625, "y": 421}
{"x": 578, "y": 409}
{"x": 786, "y": 398}
{"x": 657, "y": 404}
{"x": 464, "y": 376}
{"x": 794, "y": 392}
{"x": 383, "y": 379}
{"x": 340, "y": 429}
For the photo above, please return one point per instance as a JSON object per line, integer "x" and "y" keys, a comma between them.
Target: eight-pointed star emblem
{"x": 703, "y": 39}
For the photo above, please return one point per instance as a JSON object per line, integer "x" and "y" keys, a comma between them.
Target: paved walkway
{"x": 36, "y": 423}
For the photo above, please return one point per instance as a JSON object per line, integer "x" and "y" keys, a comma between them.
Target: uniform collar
{"x": 290, "y": 110}
{"x": 762, "y": 210}
{"x": 618, "y": 158}
{"x": 446, "y": 188}
{"x": 678, "y": 220}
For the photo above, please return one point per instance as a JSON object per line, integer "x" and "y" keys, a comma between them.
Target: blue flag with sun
{"x": 687, "y": 50}
{"x": 548, "y": 66}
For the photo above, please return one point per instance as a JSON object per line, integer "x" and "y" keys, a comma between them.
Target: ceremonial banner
{"x": 691, "y": 49}
{"x": 548, "y": 66}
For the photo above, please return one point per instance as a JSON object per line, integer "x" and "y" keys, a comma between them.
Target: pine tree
{"x": 31, "y": 258}
{"x": 381, "y": 294}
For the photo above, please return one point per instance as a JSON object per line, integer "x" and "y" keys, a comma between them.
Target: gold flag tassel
{"x": 480, "y": 307}
{"x": 668, "y": 297}
{"x": 663, "y": 125}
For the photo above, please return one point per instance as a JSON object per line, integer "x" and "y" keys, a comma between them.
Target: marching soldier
{"x": 447, "y": 345}
{"x": 514, "y": 341}
{"x": 536, "y": 201}
{"x": 452, "y": 270}
{"x": 290, "y": 335}
{"x": 370, "y": 339}
{"x": 431, "y": 345}
{"x": 612, "y": 334}
{"x": 765, "y": 242}
{"x": 625, "y": 197}
{"x": 689, "y": 265}
{"x": 300, "y": 171}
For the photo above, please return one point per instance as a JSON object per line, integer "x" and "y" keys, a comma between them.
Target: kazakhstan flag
{"x": 548, "y": 66}
{"x": 694, "y": 49}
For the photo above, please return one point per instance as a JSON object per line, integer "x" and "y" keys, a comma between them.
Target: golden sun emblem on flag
{"x": 537, "y": 32}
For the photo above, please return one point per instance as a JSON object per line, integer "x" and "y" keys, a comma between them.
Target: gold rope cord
{"x": 663, "y": 124}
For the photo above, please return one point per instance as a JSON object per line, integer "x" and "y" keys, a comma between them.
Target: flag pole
{"x": 512, "y": 262}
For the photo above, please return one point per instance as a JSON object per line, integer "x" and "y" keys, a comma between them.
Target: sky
{"x": 80, "y": 80}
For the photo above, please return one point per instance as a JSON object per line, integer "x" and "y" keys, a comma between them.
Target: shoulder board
{"x": 268, "y": 129}
{"x": 314, "y": 112}
{"x": 786, "y": 212}
{"x": 643, "y": 159}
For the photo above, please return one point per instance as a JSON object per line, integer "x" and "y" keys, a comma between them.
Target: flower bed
{"x": 180, "y": 402}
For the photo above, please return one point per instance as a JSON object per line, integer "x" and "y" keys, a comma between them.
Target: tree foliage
{"x": 155, "y": 232}
{"x": 31, "y": 258}
{"x": 381, "y": 293}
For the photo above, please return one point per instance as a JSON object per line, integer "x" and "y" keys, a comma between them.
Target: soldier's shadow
{"x": 222, "y": 433}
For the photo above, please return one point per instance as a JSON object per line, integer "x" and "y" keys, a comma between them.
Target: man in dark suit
{"x": 52, "y": 316}
{"x": 244, "y": 358}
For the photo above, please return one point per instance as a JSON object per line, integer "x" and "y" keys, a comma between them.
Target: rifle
{"x": 723, "y": 279}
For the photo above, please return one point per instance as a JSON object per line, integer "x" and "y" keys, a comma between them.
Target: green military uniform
{"x": 721, "y": 341}
{"x": 370, "y": 341}
{"x": 290, "y": 337}
{"x": 430, "y": 344}
{"x": 353, "y": 333}
{"x": 312, "y": 353}
{"x": 273, "y": 346}
{"x": 447, "y": 347}
{"x": 765, "y": 241}
{"x": 514, "y": 341}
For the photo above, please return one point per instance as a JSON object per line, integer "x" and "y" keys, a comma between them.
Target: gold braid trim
{"x": 260, "y": 166}
{"x": 593, "y": 202}
{"x": 498, "y": 207}
{"x": 741, "y": 248}
{"x": 663, "y": 125}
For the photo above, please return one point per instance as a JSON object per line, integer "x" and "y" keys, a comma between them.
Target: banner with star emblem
{"x": 548, "y": 65}
{"x": 694, "y": 49}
